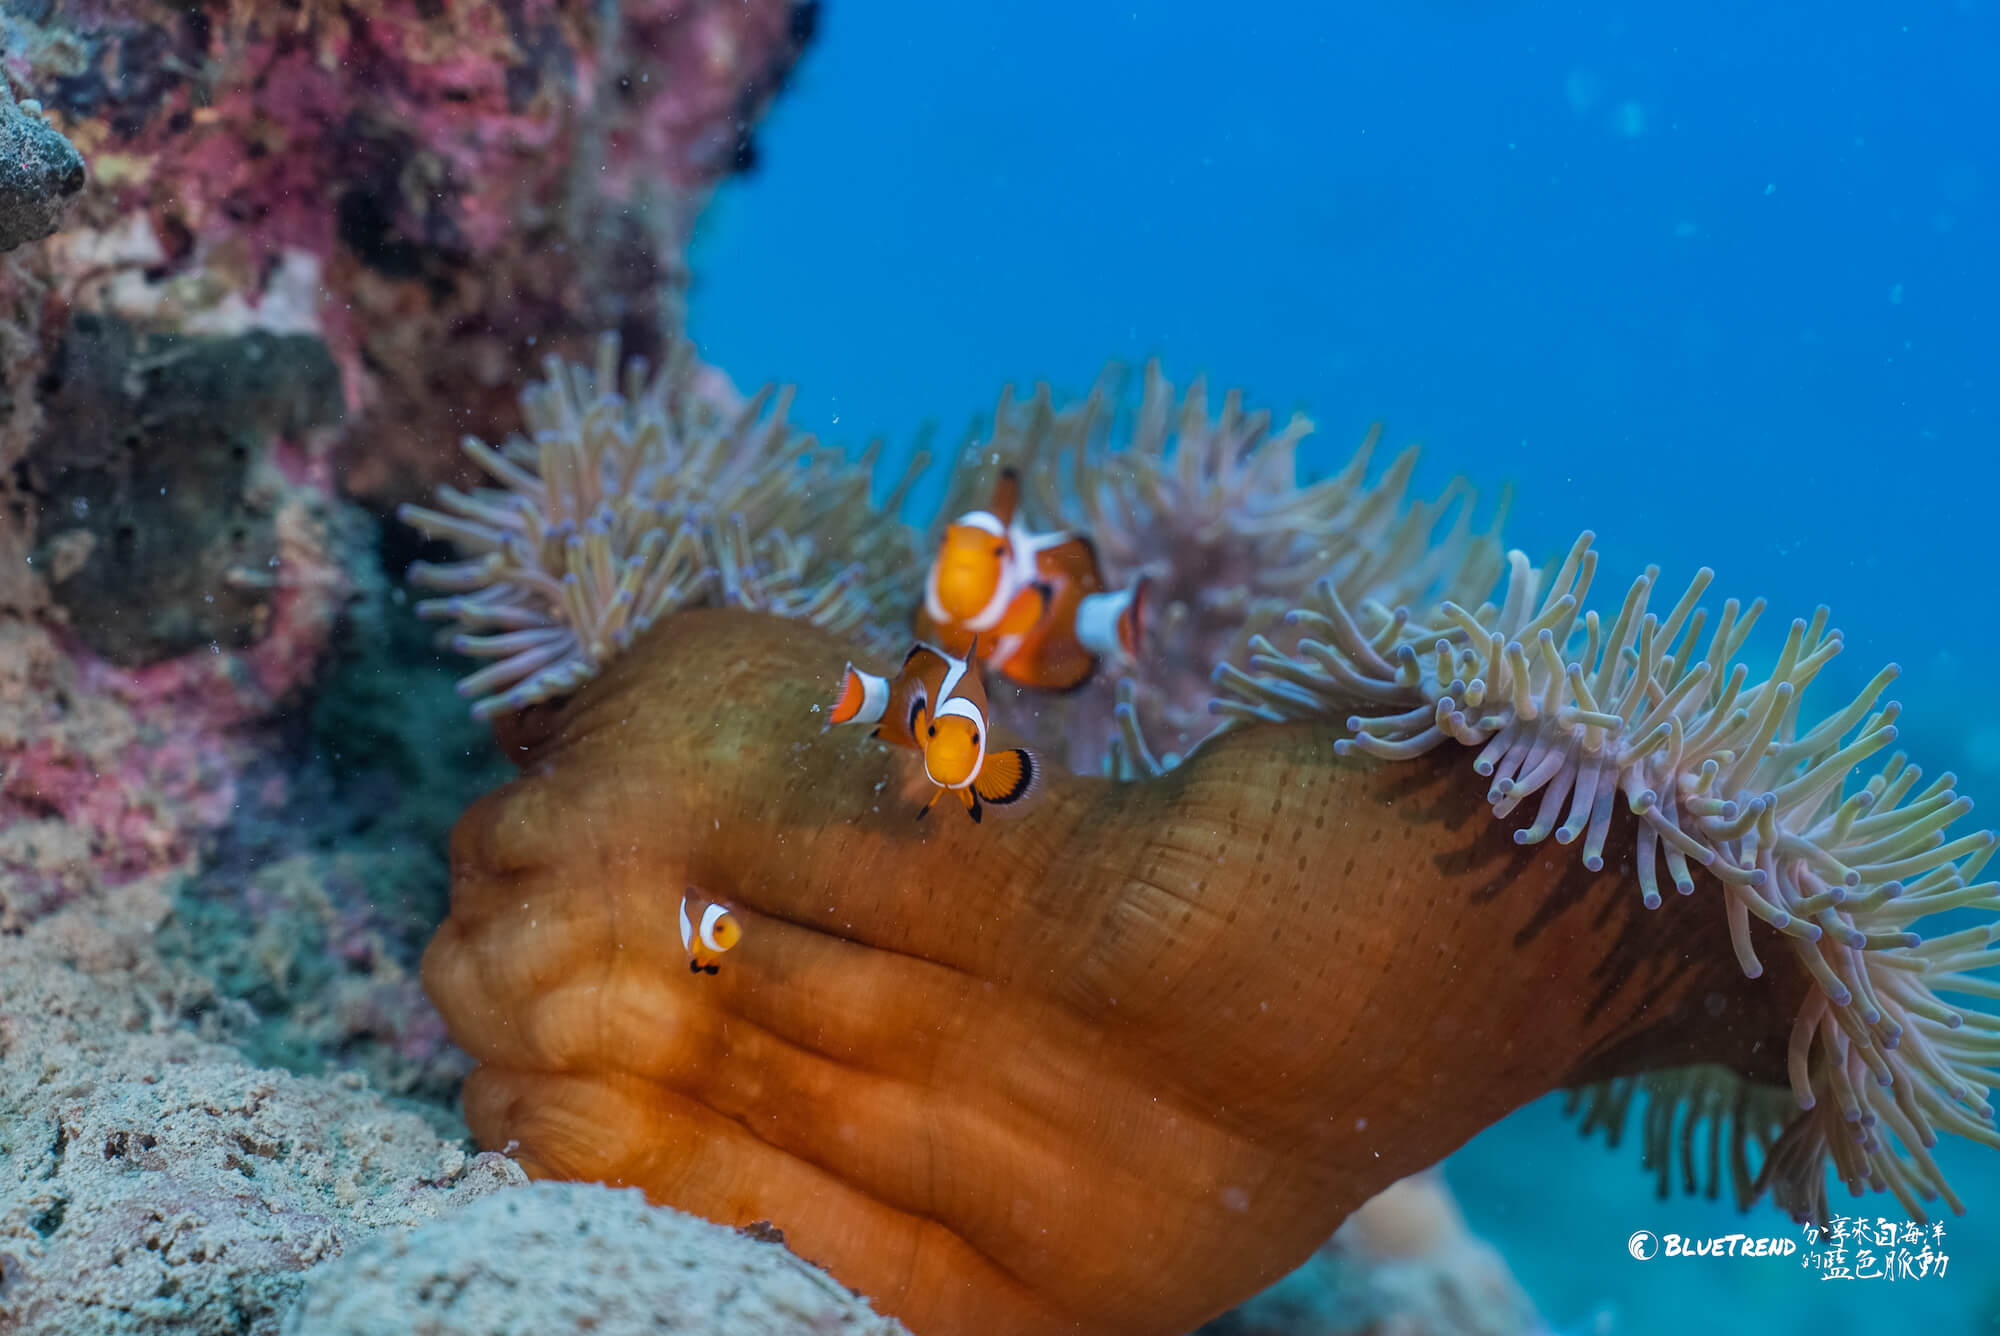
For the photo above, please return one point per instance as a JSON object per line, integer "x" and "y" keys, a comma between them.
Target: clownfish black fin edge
{"x": 1001, "y": 788}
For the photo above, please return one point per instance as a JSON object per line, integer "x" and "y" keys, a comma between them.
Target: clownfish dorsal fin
{"x": 1006, "y": 495}
{"x": 925, "y": 657}
{"x": 1008, "y": 777}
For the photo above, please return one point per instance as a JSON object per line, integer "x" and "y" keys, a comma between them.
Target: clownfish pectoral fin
{"x": 862, "y": 699}
{"x": 1025, "y": 612}
{"x": 925, "y": 810}
{"x": 1008, "y": 777}
{"x": 971, "y": 801}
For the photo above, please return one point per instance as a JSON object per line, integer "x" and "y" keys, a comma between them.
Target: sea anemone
{"x": 1211, "y": 509}
{"x": 1722, "y": 775}
{"x": 634, "y": 497}
{"x": 1112, "y": 1066}
{"x": 1125, "y": 1060}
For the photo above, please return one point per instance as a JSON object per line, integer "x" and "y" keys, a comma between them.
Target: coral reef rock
{"x": 160, "y": 478}
{"x": 556, "y": 1258}
{"x": 150, "y": 1180}
{"x": 40, "y": 173}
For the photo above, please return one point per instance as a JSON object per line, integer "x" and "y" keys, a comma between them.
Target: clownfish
{"x": 707, "y": 940}
{"x": 1037, "y": 601}
{"x": 936, "y": 705}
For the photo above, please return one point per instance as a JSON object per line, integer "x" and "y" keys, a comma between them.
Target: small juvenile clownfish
{"x": 1036, "y": 601}
{"x": 936, "y": 704}
{"x": 707, "y": 940}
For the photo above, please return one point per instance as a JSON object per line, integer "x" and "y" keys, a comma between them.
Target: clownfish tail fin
{"x": 863, "y": 699}
{"x": 1110, "y": 624}
{"x": 1008, "y": 778}
{"x": 1132, "y": 621}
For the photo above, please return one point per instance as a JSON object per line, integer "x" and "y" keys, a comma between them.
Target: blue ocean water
{"x": 1717, "y": 281}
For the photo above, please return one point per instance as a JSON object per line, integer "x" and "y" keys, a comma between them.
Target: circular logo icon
{"x": 1644, "y": 1245}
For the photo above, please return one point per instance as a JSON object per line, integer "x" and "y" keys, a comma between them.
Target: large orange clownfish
{"x": 1035, "y": 601}
{"x": 936, "y": 704}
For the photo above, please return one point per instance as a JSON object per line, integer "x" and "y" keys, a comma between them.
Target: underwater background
{"x": 1716, "y": 281}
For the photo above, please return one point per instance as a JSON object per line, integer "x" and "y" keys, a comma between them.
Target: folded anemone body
{"x": 1109, "y": 1067}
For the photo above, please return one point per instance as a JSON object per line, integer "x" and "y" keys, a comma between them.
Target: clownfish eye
{"x": 933, "y": 730}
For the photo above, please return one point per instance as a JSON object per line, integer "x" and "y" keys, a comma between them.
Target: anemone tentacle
{"x": 634, "y": 495}
{"x": 1568, "y": 713}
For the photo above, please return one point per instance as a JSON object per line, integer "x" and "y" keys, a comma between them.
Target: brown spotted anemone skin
{"x": 1111, "y": 1065}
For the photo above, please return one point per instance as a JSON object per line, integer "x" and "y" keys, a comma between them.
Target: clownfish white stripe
{"x": 687, "y": 927}
{"x": 711, "y": 916}
{"x": 952, "y": 676}
{"x": 984, "y": 520}
{"x": 1012, "y": 580}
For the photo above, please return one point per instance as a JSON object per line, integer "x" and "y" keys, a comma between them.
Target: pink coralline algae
{"x": 109, "y": 773}
{"x": 443, "y": 191}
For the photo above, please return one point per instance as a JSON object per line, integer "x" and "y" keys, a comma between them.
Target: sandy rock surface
{"x": 153, "y": 1181}
{"x": 555, "y": 1258}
